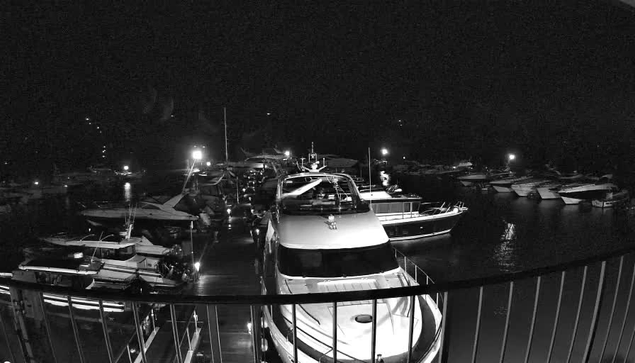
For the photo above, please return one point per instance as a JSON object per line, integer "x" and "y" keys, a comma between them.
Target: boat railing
{"x": 576, "y": 311}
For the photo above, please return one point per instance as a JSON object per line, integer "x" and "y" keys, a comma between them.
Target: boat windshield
{"x": 336, "y": 262}
{"x": 321, "y": 194}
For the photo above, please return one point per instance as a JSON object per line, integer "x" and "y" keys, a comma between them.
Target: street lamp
{"x": 511, "y": 157}
{"x": 384, "y": 151}
{"x": 287, "y": 153}
{"x": 126, "y": 167}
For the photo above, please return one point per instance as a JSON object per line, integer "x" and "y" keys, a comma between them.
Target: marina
{"x": 318, "y": 183}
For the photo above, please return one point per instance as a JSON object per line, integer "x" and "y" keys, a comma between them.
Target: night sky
{"x": 549, "y": 80}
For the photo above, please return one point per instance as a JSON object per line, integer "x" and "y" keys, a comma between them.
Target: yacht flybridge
{"x": 324, "y": 238}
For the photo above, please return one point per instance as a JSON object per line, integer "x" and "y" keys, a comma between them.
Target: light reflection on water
{"x": 127, "y": 192}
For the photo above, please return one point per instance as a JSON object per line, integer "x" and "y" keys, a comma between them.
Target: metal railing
{"x": 579, "y": 311}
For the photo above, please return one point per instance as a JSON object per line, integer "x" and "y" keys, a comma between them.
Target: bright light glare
{"x": 384, "y": 151}
{"x": 36, "y": 182}
{"x": 197, "y": 266}
{"x": 209, "y": 163}
{"x": 511, "y": 157}
{"x": 197, "y": 154}
{"x": 126, "y": 167}
{"x": 287, "y": 153}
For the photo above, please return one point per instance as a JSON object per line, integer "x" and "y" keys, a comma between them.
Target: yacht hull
{"x": 420, "y": 226}
{"x": 547, "y": 193}
{"x": 502, "y": 189}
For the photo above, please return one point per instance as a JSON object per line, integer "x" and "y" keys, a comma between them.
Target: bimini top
{"x": 319, "y": 193}
{"x": 331, "y": 231}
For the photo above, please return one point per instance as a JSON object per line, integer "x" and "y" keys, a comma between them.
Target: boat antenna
{"x": 225, "y": 123}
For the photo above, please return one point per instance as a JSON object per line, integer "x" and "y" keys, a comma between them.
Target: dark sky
{"x": 337, "y": 73}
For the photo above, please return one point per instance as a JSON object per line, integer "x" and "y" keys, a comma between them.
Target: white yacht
{"x": 324, "y": 238}
{"x": 165, "y": 212}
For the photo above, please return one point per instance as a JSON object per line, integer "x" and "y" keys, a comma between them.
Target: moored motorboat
{"x": 405, "y": 216}
{"x": 165, "y": 212}
{"x": 504, "y": 185}
{"x": 335, "y": 243}
{"x": 549, "y": 190}
{"x": 132, "y": 257}
{"x": 525, "y": 187}
{"x": 577, "y": 193}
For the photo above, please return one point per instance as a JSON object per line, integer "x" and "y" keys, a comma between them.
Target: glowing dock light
{"x": 384, "y": 151}
{"x": 197, "y": 266}
{"x": 287, "y": 153}
{"x": 36, "y": 182}
{"x": 511, "y": 157}
{"x": 209, "y": 163}
{"x": 197, "y": 154}
{"x": 126, "y": 168}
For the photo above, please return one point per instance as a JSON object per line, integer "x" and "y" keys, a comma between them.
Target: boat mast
{"x": 370, "y": 180}
{"x": 225, "y": 123}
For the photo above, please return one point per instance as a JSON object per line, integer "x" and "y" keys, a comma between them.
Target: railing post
{"x": 596, "y": 313}
{"x": 533, "y": 319}
{"x": 47, "y": 326}
{"x": 478, "y": 323}
{"x": 411, "y": 325}
{"x": 577, "y": 315}
{"x": 295, "y": 333}
{"x": 373, "y": 333}
{"x": 506, "y": 329}
{"x": 334, "y": 331}
{"x": 75, "y": 331}
{"x": 214, "y": 333}
{"x": 175, "y": 334}
{"x": 137, "y": 322}
{"x": 445, "y": 331}
{"x": 617, "y": 289}
{"x": 626, "y": 310}
{"x": 6, "y": 339}
{"x": 104, "y": 326}
{"x": 255, "y": 332}
{"x": 555, "y": 320}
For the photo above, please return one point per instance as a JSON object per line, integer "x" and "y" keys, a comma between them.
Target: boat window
{"x": 336, "y": 262}
{"x": 396, "y": 207}
{"x": 406, "y": 207}
{"x": 415, "y": 206}
{"x": 383, "y": 208}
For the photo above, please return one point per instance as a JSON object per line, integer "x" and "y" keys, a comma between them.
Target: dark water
{"x": 505, "y": 233}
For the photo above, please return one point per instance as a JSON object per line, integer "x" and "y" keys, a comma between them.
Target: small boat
{"x": 611, "y": 199}
{"x": 132, "y": 257}
{"x": 73, "y": 272}
{"x": 405, "y": 216}
{"x": 332, "y": 244}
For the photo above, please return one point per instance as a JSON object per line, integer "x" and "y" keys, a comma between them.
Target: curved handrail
{"x": 321, "y": 297}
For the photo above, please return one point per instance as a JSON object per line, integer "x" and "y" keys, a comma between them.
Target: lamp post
{"x": 510, "y": 158}
{"x": 197, "y": 155}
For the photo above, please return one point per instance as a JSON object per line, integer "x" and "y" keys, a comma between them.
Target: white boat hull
{"x": 502, "y": 189}
{"x": 548, "y": 193}
{"x": 571, "y": 201}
